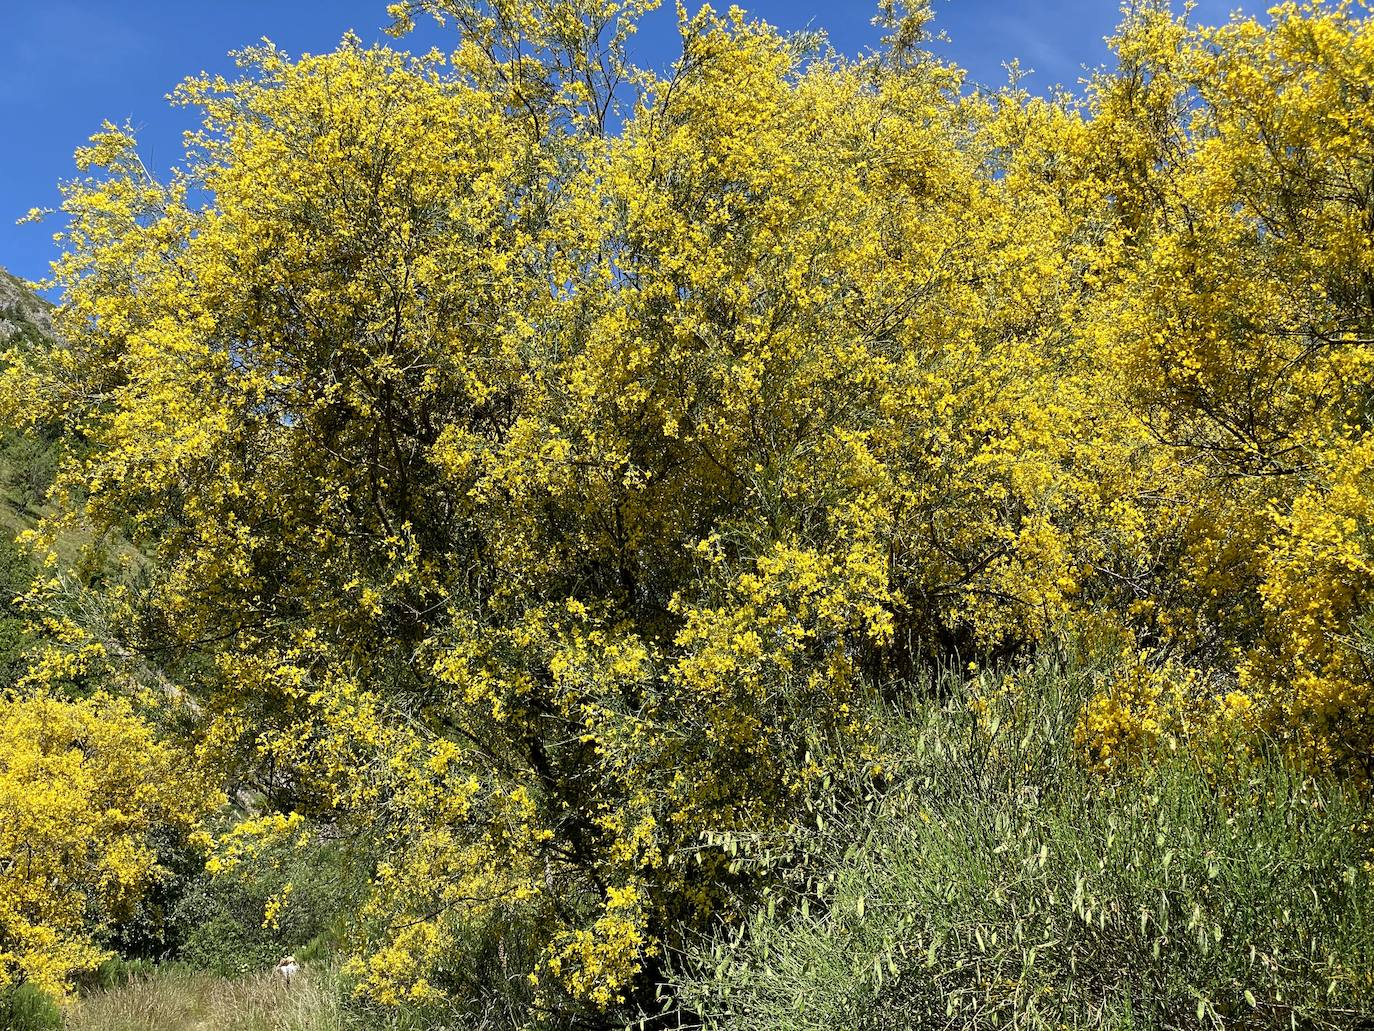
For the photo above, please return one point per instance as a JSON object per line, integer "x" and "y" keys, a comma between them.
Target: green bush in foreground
{"x": 995, "y": 883}
{"x": 27, "y": 1008}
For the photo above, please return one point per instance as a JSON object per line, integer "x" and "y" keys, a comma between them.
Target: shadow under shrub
{"x": 992, "y": 881}
{"x": 222, "y": 921}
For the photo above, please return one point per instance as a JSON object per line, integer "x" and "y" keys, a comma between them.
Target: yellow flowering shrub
{"x": 1243, "y": 326}
{"x": 84, "y": 785}
{"x": 1148, "y": 704}
{"x": 1313, "y": 674}
{"x": 538, "y": 451}
{"x": 1124, "y": 722}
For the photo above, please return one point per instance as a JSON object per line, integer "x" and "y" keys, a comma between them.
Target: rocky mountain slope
{"x": 21, "y": 310}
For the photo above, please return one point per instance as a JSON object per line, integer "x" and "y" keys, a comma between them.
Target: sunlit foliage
{"x": 538, "y": 452}
{"x": 85, "y": 789}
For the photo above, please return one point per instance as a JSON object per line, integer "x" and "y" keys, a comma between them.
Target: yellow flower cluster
{"x": 1144, "y": 706}
{"x": 85, "y": 787}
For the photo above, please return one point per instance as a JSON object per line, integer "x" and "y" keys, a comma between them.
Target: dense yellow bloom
{"x": 83, "y": 786}
{"x": 1245, "y": 326}
{"x": 543, "y": 450}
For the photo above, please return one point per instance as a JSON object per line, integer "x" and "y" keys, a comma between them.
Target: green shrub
{"x": 994, "y": 883}
{"x": 16, "y": 572}
{"x": 30, "y": 465}
{"x": 26, "y": 1008}
{"x": 14, "y": 646}
{"x": 219, "y": 922}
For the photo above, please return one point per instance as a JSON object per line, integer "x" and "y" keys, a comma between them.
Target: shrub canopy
{"x": 537, "y": 452}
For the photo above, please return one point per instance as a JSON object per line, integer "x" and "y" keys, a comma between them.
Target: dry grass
{"x": 181, "y": 1000}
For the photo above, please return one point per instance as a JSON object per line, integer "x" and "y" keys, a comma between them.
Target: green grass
{"x": 27, "y": 1009}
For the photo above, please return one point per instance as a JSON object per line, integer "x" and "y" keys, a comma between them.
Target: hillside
{"x": 27, "y": 465}
{"x": 21, "y": 310}
{"x": 27, "y": 462}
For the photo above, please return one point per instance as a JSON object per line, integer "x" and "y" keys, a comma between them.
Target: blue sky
{"x": 67, "y": 64}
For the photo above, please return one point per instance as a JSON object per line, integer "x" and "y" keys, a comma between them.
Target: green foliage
{"x": 224, "y": 941}
{"x": 990, "y": 881}
{"x": 14, "y": 645}
{"x": 29, "y": 463}
{"x": 231, "y": 924}
{"x": 16, "y": 572}
{"x": 148, "y": 929}
{"x": 27, "y": 1008}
